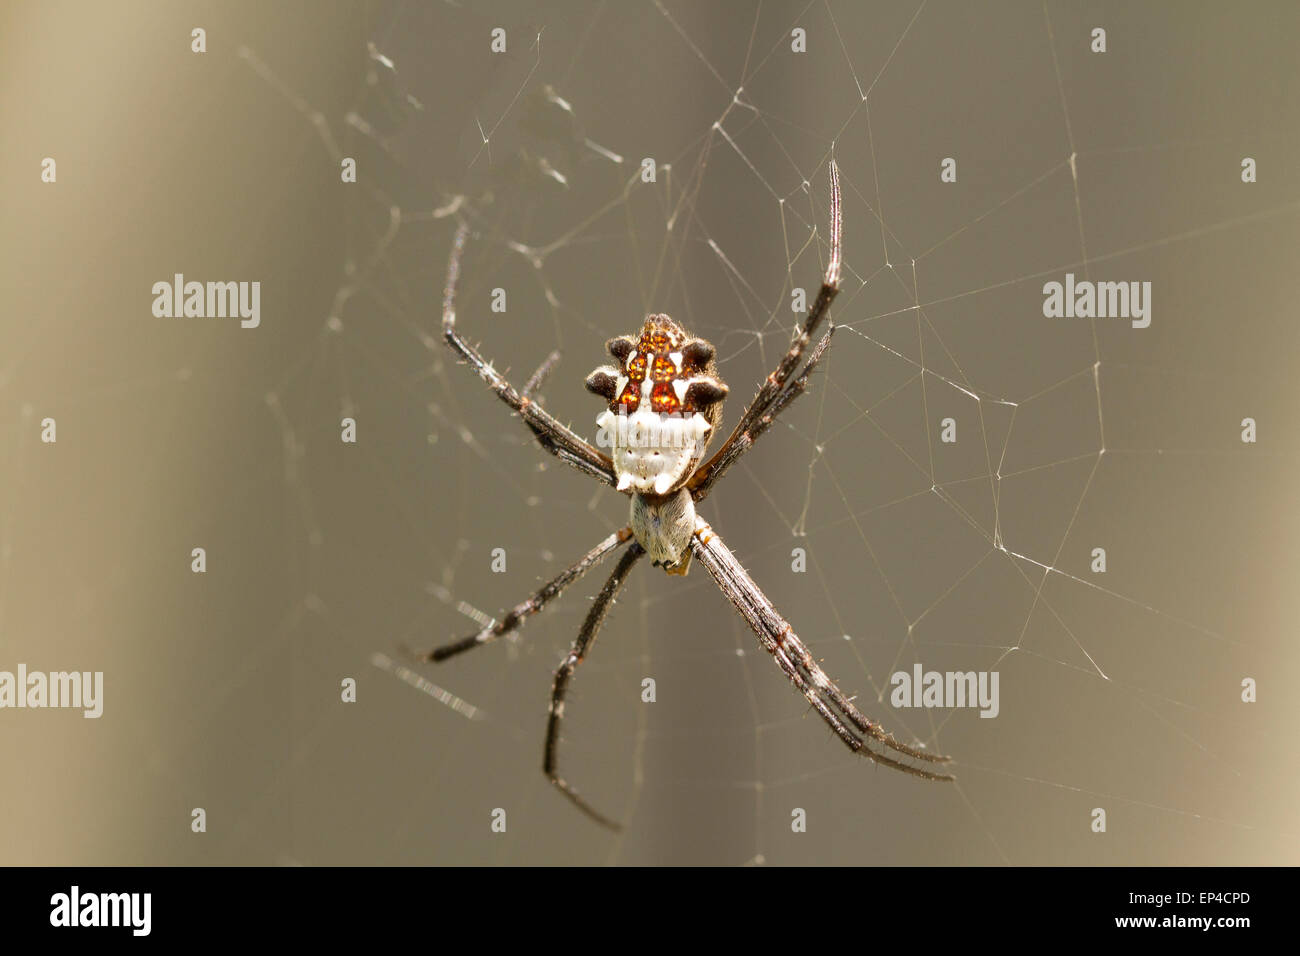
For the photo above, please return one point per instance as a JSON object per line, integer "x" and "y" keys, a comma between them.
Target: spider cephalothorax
{"x": 665, "y": 400}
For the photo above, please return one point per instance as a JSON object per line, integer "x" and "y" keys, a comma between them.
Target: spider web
{"x": 1118, "y": 689}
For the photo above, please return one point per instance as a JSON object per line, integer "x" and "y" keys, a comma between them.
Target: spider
{"x": 664, "y": 401}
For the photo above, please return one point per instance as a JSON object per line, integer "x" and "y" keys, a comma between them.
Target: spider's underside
{"x": 664, "y": 402}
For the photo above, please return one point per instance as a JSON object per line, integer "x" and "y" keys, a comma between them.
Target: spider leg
{"x": 849, "y": 738}
{"x": 728, "y": 455}
{"x": 514, "y": 619}
{"x": 777, "y": 391}
{"x": 540, "y": 375}
{"x": 793, "y": 657}
{"x": 563, "y": 674}
{"x": 556, "y": 438}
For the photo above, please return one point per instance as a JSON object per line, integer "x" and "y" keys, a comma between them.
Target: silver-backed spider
{"x": 664, "y": 402}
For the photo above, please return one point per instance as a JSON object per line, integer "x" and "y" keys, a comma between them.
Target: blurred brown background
{"x": 222, "y": 689}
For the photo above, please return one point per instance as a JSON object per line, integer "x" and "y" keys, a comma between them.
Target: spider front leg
{"x": 777, "y": 391}
{"x": 796, "y": 661}
{"x": 551, "y": 434}
{"x": 552, "y": 589}
{"x": 563, "y": 674}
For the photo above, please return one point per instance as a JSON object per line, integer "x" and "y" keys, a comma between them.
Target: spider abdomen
{"x": 664, "y": 398}
{"x": 653, "y": 453}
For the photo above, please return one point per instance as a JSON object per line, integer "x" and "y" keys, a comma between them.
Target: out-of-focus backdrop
{"x": 885, "y": 545}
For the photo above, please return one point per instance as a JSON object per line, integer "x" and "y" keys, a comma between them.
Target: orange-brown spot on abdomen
{"x": 631, "y": 397}
{"x": 664, "y": 399}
